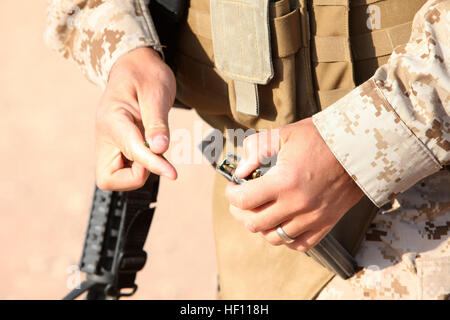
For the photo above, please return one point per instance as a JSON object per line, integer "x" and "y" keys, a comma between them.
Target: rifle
{"x": 113, "y": 249}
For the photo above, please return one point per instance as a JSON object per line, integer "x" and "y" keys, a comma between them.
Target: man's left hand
{"x": 306, "y": 192}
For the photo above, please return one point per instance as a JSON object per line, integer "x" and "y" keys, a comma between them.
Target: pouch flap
{"x": 241, "y": 39}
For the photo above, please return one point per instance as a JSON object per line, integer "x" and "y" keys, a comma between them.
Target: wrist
{"x": 135, "y": 59}
{"x": 333, "y": 168}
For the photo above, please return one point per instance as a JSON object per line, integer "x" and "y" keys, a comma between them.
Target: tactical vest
{"x": 319, "y": 51}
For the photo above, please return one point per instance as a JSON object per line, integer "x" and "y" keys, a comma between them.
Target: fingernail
{"x": 169, "y": 175}
{"x": 159, "y": 143}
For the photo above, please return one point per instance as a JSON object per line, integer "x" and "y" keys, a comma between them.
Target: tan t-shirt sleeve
{"x": 95, "y": 33}
{"x": 394, "y": 129}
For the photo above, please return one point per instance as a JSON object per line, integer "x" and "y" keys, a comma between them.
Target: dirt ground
{"x": 47, "y": 176}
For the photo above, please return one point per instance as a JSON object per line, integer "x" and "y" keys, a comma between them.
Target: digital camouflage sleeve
{"x": 95, "y": 33}
{"x": 394, "y": 129}
{"x": 392, "y": 134}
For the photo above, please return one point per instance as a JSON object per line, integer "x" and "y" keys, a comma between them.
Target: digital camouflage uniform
{"x": 392, "y": 135}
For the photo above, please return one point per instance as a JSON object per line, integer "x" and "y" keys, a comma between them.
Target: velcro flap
{"x": 241, "y": 39}
{"x": 247, "y": 100}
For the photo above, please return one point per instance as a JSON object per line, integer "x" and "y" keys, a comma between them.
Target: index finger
{"x": 133, "y": 146}
{"x": 152, "y": 162}
{"x": 253, "y": 193}
{"x": 258, "y": 148}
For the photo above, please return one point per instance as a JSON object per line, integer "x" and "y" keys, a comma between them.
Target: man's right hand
{"x": 136, "y": 102}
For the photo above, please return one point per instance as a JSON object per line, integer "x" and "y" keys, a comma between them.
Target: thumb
{"x": 155, "y": 105}
{"x": 257, "y": 148}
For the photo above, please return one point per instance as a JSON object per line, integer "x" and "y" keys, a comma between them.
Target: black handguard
{"x": 328, "y": 252}
{"x": 113, "y": 248}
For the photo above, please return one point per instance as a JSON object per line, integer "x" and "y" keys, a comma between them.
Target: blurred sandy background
{"x": 47, "y": 176}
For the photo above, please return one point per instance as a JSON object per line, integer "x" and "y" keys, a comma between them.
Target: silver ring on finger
{"x": 287, "y": 239}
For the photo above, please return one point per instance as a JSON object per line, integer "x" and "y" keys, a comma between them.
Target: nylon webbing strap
{"x": 113, "y": 250}
{"x": 279, "y": 8}
{"x": 247, "y": 101}
{"x": 380, "y": 42}
{"x": 286, "y": 34}
{"x": 285, "y": 31}
{"x": 328, "y": 97}
{"x": 331, "y": 49}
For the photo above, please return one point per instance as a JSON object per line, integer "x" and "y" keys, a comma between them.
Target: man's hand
{"x": 306, "y": 192}
{"x": 135, "y": 104}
